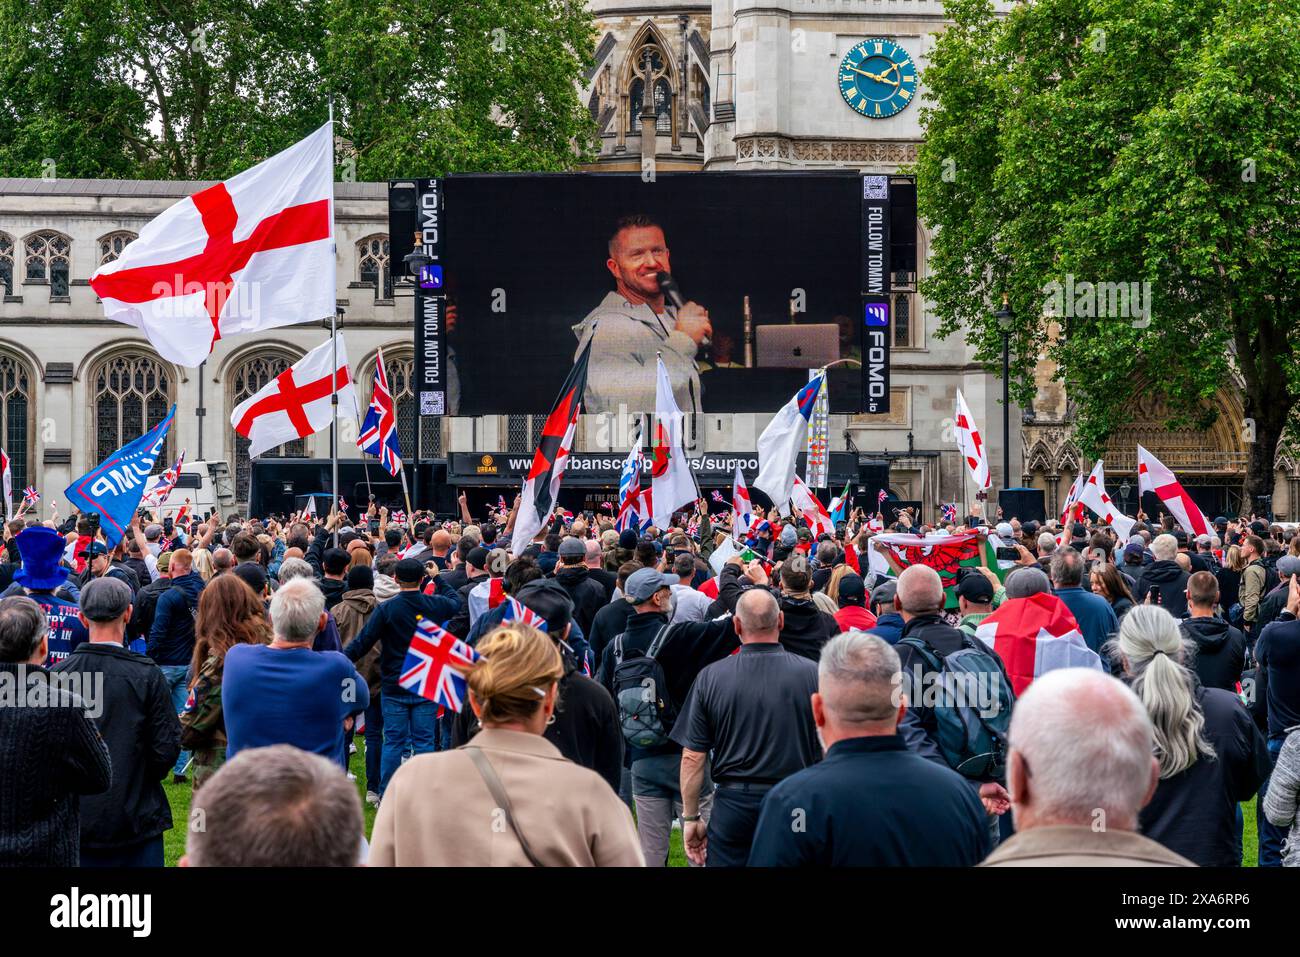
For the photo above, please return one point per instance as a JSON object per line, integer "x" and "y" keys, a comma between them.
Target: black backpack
{"x": 646, "y": 711}
{"x": 973, "y": 740}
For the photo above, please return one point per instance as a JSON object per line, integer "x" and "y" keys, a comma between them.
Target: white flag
{"x": 671, "y": 483}
{"x": 296, "y": 403}
{"x": 1153, "y": 476}
{"x": 782, "y": 441}
{"x": 819, "y": 520}
{"x": 1094, "y": 496}
{"x": 253, "y": 252}
{"x": 971, "y": 445}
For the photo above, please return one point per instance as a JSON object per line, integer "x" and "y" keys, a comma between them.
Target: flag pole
{"x": 410, "y": 514}
{"x": 334, "y": 340}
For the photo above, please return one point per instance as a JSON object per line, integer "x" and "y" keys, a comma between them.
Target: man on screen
{"x": 633, "y": 323}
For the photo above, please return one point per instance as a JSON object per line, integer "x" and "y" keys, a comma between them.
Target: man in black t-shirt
{"x": 753, "y": 711}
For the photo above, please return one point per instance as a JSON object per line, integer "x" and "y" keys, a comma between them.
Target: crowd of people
{"x": 788, "y": 701}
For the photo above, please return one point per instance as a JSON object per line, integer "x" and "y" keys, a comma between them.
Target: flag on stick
{"x": 672, "y": 485}
{"x": 542, "y": 485}
{"x": 973, "y": 452}
{"x": 113, "y": 488}
{"x": 379, "y": 430}
{"x": 436, "y": 664}
{"x": 296, "y": 403}
{"x": 251, "y": 253}
{"x": 1094, "y": 496}
{"x": 1154, "y": 477}
{"x": 782, "y": 441}
{"x": 741, "y": 509}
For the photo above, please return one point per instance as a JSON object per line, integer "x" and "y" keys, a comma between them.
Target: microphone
{"x": 668, "y": 286}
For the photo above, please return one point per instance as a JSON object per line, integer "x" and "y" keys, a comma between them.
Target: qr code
{"x": 875, "y": 187}
{"x": 433, "y": 403}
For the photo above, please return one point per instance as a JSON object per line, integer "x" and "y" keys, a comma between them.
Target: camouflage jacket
{"x": 203, "y": 724}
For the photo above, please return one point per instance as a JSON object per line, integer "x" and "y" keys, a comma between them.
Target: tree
{"x": 201, "y": 89}
{"x": 1117, "y": 142}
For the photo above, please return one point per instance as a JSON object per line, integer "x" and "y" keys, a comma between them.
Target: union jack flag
{"x": 30, "y": 495}
{"x": 518, "y": 611}
{"x": 948, "y": 512}
{"x": 343, "y": 506}
{"x": 166, "y": 482}
{"x": 435, "y": 665}
{"x": 501, "y": 504}
{"x": 880, "y": 497}
{"x": 629, "y": 491}
{"x": 717, "y": 497}
{"x": 379, "y": 430}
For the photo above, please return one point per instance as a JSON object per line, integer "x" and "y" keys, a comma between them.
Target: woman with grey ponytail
{"x": 1211, "y": 755}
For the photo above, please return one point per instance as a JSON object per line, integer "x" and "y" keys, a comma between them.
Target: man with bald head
{"x": 872, "y": 802}
{"x": 1079, "y": 771}
{"x": 751, "y": 711}
{"x": 439, "y": 549}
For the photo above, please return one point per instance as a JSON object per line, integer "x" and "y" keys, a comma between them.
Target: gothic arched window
{"x": 46, "y": 260}
{"x": 132, "y": 393}
{"x": 650, "y": 64}
{"x": 111, "y": 246}
{"x": 248, "y": 377}
{"x": 7, "y": 263}
{"x": 15, "y": 419}
{"x": 373, "y": 265}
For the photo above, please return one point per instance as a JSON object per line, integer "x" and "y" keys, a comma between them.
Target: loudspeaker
{"x": 902, "y": 225}
{"x": 402, "y": 224}
{"x": 1026, "y": 504}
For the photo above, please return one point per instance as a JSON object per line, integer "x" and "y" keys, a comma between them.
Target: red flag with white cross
{"x": 296, "y": 403}
{"x": 253, "y": 252}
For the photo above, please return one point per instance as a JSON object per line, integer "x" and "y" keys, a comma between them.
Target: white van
{"x": 204, "y": 485}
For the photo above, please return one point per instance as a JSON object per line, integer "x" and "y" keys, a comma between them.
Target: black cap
{"x": 409, "y": 571}
{"x": 477, "y": 557}
{"x": 975, "y": 588}
{"x": 253, "y": 574}
{"x": 627, "y": 539}
{"x": 853, "y": 590}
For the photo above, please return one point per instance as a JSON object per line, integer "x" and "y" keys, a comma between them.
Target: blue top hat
{"x": 41, "y": 548}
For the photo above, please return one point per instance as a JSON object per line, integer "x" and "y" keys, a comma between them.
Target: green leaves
{"x": 201, "y": 89}
{"x": 1118, "y": 142}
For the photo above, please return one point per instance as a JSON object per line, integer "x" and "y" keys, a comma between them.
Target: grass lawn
{"x": 179, "y": 797}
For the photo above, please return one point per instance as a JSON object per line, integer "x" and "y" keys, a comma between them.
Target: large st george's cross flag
{"x": 254, "y": 252}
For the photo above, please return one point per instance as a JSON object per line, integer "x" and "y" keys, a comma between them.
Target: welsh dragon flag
{"x": 1033, "y": 636}
{"x": 946, "y": 554}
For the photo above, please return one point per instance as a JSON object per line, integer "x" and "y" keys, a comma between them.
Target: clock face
{"x": 877, "y": 78}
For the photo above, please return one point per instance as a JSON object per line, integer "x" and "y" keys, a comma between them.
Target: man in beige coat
{"x": 1080, "y": 769}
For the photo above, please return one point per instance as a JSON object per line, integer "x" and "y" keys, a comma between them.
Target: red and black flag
{"x": 543, "y": 482}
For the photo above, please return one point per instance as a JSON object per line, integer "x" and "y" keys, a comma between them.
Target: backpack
{"x": 973, "y": 743}
{"x": 646, "y": 711}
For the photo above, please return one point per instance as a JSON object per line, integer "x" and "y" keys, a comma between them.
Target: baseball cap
{"x": 1133, "y": 550}
{"x": 572, "y": 548}
{"x": 105, "y": 599}
{"x": 1005, "y": 530}
{"x": 644, "y": 582}
{"x": 1204, "y": 541}
{"x": 853, "y": 591}
{"x": 409, "y": 571}
{"x": 547, "y": 597}
{"x": 975, "y": 588}
{"x": 477, "y": 557}
{"x": 883, "y": 594}
{"x": 96, "y": 548}
{"x": 789, "y": 536}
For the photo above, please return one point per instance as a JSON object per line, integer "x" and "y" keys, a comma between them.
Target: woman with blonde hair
{"x": 517, "y": 800}
{"x": 229, "y": 613}
{"x": 1211, "y": 755}
{"x": 203, "y": 564}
